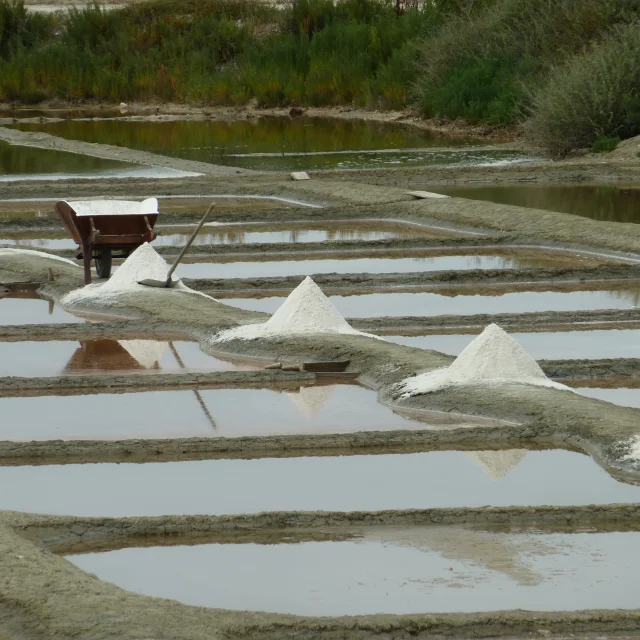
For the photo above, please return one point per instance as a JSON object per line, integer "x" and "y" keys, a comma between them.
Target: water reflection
{"x": 28, "y": 307}
{"x": 399, "y": 571}
{"x": 280, "y": 143}
{"x": 343, "y": 483}
{"x": 506, "y": 260}
{"x": 59, "y": 357}
{"x": 286, "y": 236}
{"x": 198, "y": 413}
{"x": 435, "y": 304}
{"x": 17, "y": 160}
{"x": 607, "y": 203}
{"x": 205, "y": 140}
{"x": 544, "y": 346}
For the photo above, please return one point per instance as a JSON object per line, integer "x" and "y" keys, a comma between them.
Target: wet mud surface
{"x": 42, "y": 595}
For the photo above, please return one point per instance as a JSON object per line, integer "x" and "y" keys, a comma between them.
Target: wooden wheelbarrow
{"x": 104, "y": 229}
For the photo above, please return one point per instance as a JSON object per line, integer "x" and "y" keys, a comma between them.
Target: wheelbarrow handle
{"x": 189, "y": 241}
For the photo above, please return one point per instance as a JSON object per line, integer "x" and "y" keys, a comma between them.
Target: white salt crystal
{"x": 494, "y": 357}
{"x": 306, "y": 311}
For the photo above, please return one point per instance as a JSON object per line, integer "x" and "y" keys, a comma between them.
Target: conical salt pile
{"x": 306, "y": 311}
{"x": 497, "y": 463}
{"x": 144, "y": 263}
{"x": 494, "y": 357}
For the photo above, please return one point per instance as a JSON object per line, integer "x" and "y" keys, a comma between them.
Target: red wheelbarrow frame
{"x": 107, "y": 228}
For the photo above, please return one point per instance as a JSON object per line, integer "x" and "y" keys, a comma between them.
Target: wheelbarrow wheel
{"x": 103, "y": 260}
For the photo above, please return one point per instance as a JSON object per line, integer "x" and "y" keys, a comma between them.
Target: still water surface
{"x": 346, "y": 483}
{"x": 400, "y": 571}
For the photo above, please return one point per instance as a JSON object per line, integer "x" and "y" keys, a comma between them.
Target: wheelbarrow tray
{"x": 103, "y": 228}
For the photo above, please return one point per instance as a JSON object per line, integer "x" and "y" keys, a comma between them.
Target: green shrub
{"x": 485, "y": 65}
{"x": 605, "y": 144}
{"x": 595, "y": 94}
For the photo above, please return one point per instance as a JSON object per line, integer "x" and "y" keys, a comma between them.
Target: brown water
{"x": 221, "y": 234}
{"x": 28, "y": 163}
{"x": 544, "y": 345}
{"x": 333, "y": 483}
{"x": 435, "y": 304}
{"x": 32, "y": 310}
{"x": 62, "y": 357}
{"x": 399, "y": 570}
{"x": 294, "y": 232}
{"x": 282, "y": 144}
{"x": 206, "y": 413}
{"x": 512, "y": 259}
{"x": 607, "y": 203}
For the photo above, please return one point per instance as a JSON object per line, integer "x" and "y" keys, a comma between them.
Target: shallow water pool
{"x": 345, "y": 483}
{"x": 435, "y": 304}
{"x": 29, "y": 163}
{"x": 30, "y": 310}
{"x": 282, "y": 144}
{"x": 607, "y": 203}
{"x": 620, "y": 395}
{"x": 388, "y": 570}
{"x": 512, "y": 259}
{"x": 62, "y": 357}
{"x": 567, "y": 345}
{"x": 206, "y": 413}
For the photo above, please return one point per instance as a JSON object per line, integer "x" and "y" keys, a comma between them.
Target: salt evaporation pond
{"x": 344, "y": 483}
{"x": 569, "y": 345}
{"x": 18, "y": 310}
{"x": 28, "y": 163}
{"x": 206, "y": 413}
{"x": 514, "y": 259}
{"x": 620, "y": 395}
{"x": 282, "y": 144}
{"x": 63, "y": 357}
{"x": 435, "y": 304}
{"x": 297, "y": 232}
{"x": 176, "y": 236}
{"x": 607, "y": 203}
{"x": 388, "y": 570}
{"x": 38, "y": 243}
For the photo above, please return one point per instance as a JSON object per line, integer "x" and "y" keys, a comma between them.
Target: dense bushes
{"x": 594, "y": 96}
{"x": 569, "y": 68}
{"x": 219, "y": 52}
{"x": 484, "y": 65}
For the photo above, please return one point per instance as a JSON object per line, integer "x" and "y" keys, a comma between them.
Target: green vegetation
{"x": 595, "y": 96}
{"x": 484, "y": 65}
{"x": 215, "y": 52}
{"x": 568, "y": 69}
{"x": 605, "y": 144}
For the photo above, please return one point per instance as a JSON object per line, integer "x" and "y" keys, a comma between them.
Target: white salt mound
{"x": 144, "y": 263}
{"x": 306, "y": 311}
{"x": 494, "y": 357}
